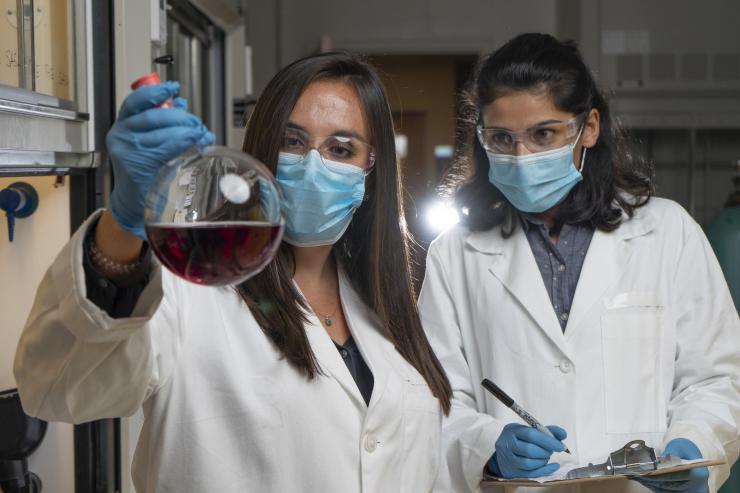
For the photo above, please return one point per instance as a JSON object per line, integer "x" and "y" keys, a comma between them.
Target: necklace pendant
{"x": 327, "y": 321}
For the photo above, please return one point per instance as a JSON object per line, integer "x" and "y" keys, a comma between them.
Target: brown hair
{"x": 374, "y": 251}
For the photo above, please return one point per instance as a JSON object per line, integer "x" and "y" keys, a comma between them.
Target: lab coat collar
{"x": 366, "y": 330}
{"x": 605, "y": 263}
{"x": 491, "y": 241}
{"x": 362, "y": 324}
{"x": 513, "y": 263}
{"x": 329, "y": 360}
{"x": 641, "y": 223}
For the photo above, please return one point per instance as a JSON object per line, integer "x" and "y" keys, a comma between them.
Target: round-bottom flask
{"x": 213, "y": 216}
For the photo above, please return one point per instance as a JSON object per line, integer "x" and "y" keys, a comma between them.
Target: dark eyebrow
{"x": 295, "y": 126}
{"x": 336, "y": 133}
{"x": 538, "y": 124}
{"x": 547, "y": 122}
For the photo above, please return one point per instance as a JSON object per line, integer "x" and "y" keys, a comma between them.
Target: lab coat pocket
{"x": 420, "y": 398}
{"x": 632, "y": 334}
{"x": 422, "y": 426}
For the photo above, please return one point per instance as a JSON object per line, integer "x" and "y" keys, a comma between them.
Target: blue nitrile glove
{"x": 524, "y": 452}
{"x": 690, "y": 481}
{"x": 141, "y": 141}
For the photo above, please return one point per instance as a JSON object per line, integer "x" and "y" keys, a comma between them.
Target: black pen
{"x": 509, "y": 402}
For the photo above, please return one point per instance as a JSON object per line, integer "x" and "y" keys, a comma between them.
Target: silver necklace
{"x": 328, "y": 318}
{"x": 327, "y": 321}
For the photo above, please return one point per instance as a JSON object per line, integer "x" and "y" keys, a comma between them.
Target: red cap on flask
{"x": 148, "y": 80}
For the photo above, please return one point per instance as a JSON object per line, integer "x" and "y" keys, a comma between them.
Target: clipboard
{"x": 556, "y": 481}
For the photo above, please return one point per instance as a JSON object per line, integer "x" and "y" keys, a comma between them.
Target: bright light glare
{"x": 441, "y": 216}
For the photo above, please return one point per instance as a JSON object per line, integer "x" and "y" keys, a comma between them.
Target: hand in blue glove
{"x": 142, "y": 140}
{"x": 690, "y": 481}
{"x": 524, "y": 452}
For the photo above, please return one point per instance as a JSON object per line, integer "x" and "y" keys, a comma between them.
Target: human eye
{"x": 292, "y": 141}
{"x": 501, "y": 139}
{"x": 543, "y": 135}
{"x": 341, "y": 149}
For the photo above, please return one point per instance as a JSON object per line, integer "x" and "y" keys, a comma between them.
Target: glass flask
{"x": 213, "y": 216}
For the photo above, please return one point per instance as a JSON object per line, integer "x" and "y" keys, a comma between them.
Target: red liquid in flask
{"x": 215, "y": 254}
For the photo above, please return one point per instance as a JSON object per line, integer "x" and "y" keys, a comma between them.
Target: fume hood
{"x": 46, "y": 87}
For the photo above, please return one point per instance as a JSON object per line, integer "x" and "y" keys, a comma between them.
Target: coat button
{"x": 565, "y": 366}
{"x": 371, "y": 443}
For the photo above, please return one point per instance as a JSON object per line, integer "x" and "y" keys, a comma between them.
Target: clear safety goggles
{"x": 337, "y": 148}
{"x": 543, "y": 137}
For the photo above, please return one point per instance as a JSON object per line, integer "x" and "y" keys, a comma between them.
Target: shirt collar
{"x": 528, "y": 220}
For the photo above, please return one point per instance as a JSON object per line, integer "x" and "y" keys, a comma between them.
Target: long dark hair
{"x": 374, "y": 251}
{"x": 614, "y": 179}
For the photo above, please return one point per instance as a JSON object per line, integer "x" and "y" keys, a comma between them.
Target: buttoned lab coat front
{"x": 222, "y": 411}
{"x": 651, "y": 349}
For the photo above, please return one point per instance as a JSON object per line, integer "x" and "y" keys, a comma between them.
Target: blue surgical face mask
{"x": 536, "y": 182}
{"x": 319, "y": 196}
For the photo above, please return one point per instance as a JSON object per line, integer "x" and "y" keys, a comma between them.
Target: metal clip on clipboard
{"x": 635, "y": 458}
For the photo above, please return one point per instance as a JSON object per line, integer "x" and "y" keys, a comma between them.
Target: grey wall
{"x": 700, "y": 180}
{"x": 672, "y": 69}
{"x": 282, "y": 30}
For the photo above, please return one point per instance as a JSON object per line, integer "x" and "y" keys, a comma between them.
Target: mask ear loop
{"x": 583, "y": 148}
{"x": 583, "y": 159}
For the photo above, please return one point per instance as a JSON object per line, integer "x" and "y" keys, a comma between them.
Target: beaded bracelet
{"x": 106, "y": 265}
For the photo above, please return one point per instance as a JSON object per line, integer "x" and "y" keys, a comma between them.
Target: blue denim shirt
{"x": 560, "y": 264}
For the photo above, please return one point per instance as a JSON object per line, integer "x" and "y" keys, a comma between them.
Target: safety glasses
{"x": 343, "y": 149}
{"x": 542, "y": 137}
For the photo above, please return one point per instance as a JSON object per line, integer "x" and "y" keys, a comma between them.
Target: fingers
{"x": 208, "y": 139}
{"x": 174, "y": 148}
{"x": 147, "y": 97}
{"x": 527, "y": 449}
{"x": 683, "y": 448}
{"x": 559, "y": 432}
{"x": 542, "y": 471}
{"x": 173, "y": 140}
{"x": 155, "y": 118}
{"x": 664, "y": 486}
{"x": 180, "y": 103}
{"x": 672, "y": 477}
{"x": 522, "y": 451}
{"x": 646, "y": 484}
{"x": 692, "y": 480}
{"x": 532, "y": 435}
{"x": 698, "y": 474}
{"x": 528, "y": 464}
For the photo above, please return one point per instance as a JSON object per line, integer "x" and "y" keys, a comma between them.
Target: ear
{"x": 591, "y": 128}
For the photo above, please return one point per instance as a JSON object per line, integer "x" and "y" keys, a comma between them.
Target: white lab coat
{"x": 223, "y": 412}
{"x": 651, "y": 350}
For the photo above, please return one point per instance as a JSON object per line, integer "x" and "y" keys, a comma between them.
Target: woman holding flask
{"x": 315, "y": 374}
